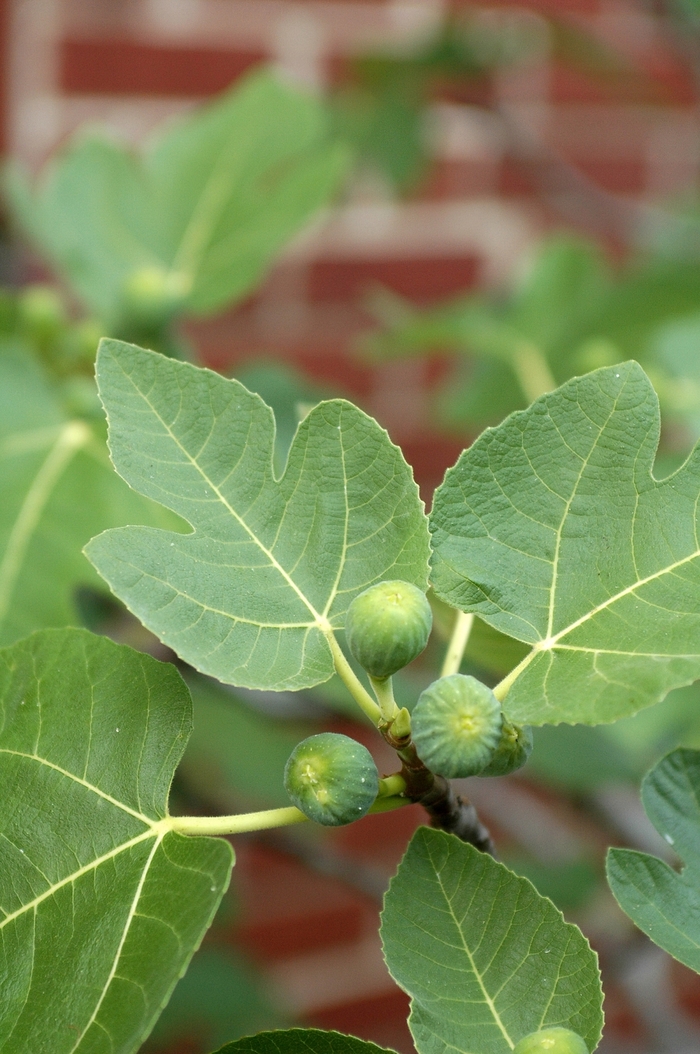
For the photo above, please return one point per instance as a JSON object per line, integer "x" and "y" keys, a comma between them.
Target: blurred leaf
{"x": 219, "y": 997}
{"x": 57, "y": 489}
{"x": 215, "y": 197}
{"x": 484, "y": 957}
{"x": 569, "y": 885}
{"x": 235, "y": 749}
{"x": 578, "y": 758}
{"x": 271, "y": 565}
{"x": 661, "y": 902}
{"x": 552, "y": 528}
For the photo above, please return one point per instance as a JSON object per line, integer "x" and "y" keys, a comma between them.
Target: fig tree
{"x": 331, "y": 778}
{"x": 513, "y": 750}
{"x": 387, "y": 626}
{"x": 457, "y": 724}
{"x": 551, "y": 1041}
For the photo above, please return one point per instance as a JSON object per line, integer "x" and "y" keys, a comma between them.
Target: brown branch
{"x": 447, "y": 810}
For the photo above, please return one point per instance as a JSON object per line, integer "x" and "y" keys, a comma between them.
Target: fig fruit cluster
{"x": 459, "y": 730}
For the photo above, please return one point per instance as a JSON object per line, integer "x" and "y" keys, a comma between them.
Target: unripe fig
{"x": 513, "y": 750}
{"x": 387, "y": 626}
{"x": 331, "y": 778}
{"x": 151, "y": 296}
{"x": 456, "y": 725}
{"x": 551, "y": 1041}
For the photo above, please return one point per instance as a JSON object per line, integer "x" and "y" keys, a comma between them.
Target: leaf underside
{"x": 663, "y": 903}
{"x": 271, "y": 564}
{"x": 552, "y": 529}
{"x": 100, "y": 908}
{"x": 485, "y": 958}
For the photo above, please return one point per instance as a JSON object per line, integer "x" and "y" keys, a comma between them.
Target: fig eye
{"x": 457, "y": 725}
{"x": 331, "y": 778}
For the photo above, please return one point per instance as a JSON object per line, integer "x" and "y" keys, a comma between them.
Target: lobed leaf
{"x": 57, "y": 489}
{"x": 101, "y": 905}
{"x": 484, "y": 957}
{"x": 663, "y": 903}
{"x": 272, "y": 565}
{"x": 553, "y": 529}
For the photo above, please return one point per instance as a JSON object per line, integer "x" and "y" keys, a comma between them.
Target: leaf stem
{"x": 384, "y": 691}
{"x": 390, "y": 786}
{"x": 458, "y": 643}
{"x": 240, "y": 823}
{"x": 532, "y": 370}
{"x": 351, "y": 681}
{"x": 503, "y": 687}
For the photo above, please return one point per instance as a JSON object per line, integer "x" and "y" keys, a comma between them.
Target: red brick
{"x": 418, "y": 278}
{"x": 124, "y": 67}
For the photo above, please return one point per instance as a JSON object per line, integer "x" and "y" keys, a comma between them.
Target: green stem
{"x": 532, "y": 370}
{"x": 392, "y": 785}
{"x": 240, "y": 823}
{"x": 458, "y": 643}
{"x": 349, "y": 678}
{"x": 237, "y": 824}
{"x": 384, "y": 691}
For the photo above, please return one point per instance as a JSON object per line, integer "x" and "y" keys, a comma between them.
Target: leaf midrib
{"x": 319, "y": 618}
{"x": 487, "y": 998}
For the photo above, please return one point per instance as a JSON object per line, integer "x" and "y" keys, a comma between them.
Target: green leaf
{"x": 301, "y": 1041}
{"x": 57, "y": 489}
{"x": 661, "y": 902}
{"x": 102, "y": 904}
{"x": 211, "y": 202}
{"x": 553, "y": 529}
{"x": 484, "y": 957}
{"x": 220, "y": 996}
{"x": 271, "y": 567}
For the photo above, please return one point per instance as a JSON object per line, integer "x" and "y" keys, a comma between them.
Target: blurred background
{"x": 515, "y": 199}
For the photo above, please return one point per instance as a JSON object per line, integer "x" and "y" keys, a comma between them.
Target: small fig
{"x": 551, "y": 1041}
{"x": 456, "y": 725}
{"x": 151, "y": 296}
{"x": 513, "y": 750}
{"x": 387, "y": 626}
{"x": 331, "y": 778}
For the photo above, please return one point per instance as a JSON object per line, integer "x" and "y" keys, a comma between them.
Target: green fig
{"x": 513, "y": 750}
{"x": 387, "y": 626}
{"x": 456, "y": 725}
{"x": 331, "y": 778}
{"x": 551, "y": 1041}
{"x": 151, "y": 296}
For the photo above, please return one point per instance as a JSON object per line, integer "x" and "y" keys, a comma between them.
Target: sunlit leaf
{"x": 272, "y": 565}
{"x": 553, "y": 529}
{"x": 484, "y": 957}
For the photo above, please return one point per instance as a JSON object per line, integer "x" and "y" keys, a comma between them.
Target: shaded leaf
{"x": 553, "y": 529}
{"x": 301, "y": 1041}
{"x": 484, "y": 957}
{"x": 272, "y": 565}
{"x": 102, "y": 904}
{"x": 57, "y": 489}
{"x": 661, "y": 902}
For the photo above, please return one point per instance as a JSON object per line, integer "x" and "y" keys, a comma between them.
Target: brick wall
{"x": 556, "y": 145}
